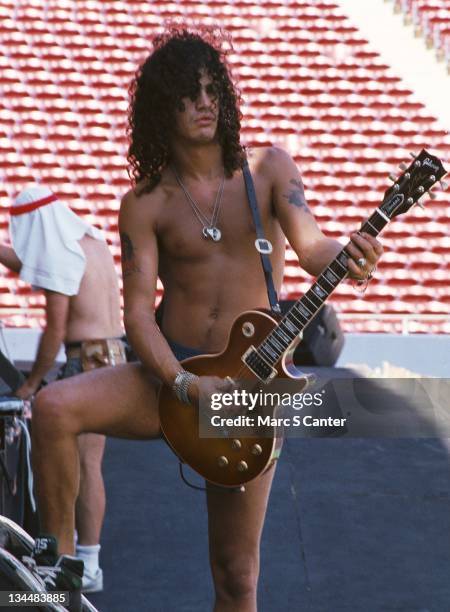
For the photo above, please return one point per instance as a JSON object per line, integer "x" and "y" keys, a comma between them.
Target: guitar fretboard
{"x": 304, "y": 310}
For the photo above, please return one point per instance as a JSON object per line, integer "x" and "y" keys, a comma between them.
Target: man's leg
{"x": 119, "y": 401}
{"x": 90, "y": 504}
{"x": 90, "y": 509}
{"x": 235, "y": 521}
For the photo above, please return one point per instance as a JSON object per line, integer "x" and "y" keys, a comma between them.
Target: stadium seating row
{"x": 309, "y": 82}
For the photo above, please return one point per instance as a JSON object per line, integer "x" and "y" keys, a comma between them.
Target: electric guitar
{"x": 260, "y": 348}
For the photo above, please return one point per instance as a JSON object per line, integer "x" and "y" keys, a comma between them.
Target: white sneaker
{"x": 92, "y": 583}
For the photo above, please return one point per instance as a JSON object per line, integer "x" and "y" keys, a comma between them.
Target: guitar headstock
{"x": 424, "y": 171}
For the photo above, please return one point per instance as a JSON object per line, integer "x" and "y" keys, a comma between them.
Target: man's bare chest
{"x": 186, "y": 228}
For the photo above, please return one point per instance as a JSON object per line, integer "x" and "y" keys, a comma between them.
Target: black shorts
{"x": 72, "y": 367}
{"x": 183, "y": 352}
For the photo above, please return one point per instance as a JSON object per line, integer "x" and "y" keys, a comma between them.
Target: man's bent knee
{"x": 50, "y": 411}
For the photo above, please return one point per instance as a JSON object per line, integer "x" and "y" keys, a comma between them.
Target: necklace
{"x": 209, "y": 227}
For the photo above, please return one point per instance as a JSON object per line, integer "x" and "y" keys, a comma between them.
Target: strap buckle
{"x": 263, "y": 246}
{"x": 276, "y": 308}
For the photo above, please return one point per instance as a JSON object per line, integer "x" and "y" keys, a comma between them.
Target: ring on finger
{"x": 362, "y": 262}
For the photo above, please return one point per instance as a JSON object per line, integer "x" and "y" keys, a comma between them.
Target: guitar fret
{"x": 311, "y": 297}
{"x": 342, "y": 259}
{"x": 289, "y": 325}
{"x": 375, "y": 228}
{"x": 322, "y": 278}
{"x": 376, "y": 223}
{"x": 275, "y": 344}
{"x": 303, "y": 310}
{"x": 329, "y": 272}
{"x": 336, "y": 268}
{"x": 262, "y": 348}
{"x": 296, "y": 318}
{"x": 304, "y": 305}
{"x": 284, "y": 336}
{"x": 270, "y": 354}
{"x": 305, "y": 297}
{"x": 328, "y": 281}
{"x": 319, "y": 291}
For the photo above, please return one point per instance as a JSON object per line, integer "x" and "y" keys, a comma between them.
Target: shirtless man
{"x": 184, "y": 150}
{"x": 59, "y": 253}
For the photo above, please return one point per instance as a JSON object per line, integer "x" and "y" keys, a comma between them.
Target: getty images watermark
{"x": 259, "y": 411}
{"x": 350, "y": 406}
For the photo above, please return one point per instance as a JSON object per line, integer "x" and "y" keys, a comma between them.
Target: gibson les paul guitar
{"x": 261, "y": 348}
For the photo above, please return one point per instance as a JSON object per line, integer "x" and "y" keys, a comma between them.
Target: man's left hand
{"x": 25, "y": 391}
{"x": 365, "y": 251}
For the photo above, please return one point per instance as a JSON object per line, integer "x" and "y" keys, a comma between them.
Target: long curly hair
{"x": 170, "y": 73}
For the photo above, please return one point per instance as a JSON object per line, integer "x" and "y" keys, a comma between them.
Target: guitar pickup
{"x": 263, "y": 370}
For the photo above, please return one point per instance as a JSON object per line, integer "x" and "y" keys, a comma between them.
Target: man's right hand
{"x": 201, "y": 389}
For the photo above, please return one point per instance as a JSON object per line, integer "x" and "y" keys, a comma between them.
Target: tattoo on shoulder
{"x": 296, "y": 195}
{"x": 129, "y": 265}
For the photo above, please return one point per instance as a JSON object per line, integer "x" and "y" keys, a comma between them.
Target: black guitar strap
{"x": 263, "y": 246}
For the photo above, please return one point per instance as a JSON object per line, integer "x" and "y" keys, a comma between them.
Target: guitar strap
{"x": 263, "y": 246}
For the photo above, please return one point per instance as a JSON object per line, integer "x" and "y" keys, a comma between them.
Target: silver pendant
{"x": 212, "y": 232}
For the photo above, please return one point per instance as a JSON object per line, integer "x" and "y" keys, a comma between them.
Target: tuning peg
{"x": 432, "y": 195}
{"x": 420, "y": 204}
{"x": 403, "y": 166}
{"x": 393, "y": 177}
{"x": 413, "y": 155}
{"x": 444, "y": 185}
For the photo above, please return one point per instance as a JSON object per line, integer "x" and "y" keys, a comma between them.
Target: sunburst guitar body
{"x": 227, "y": 461}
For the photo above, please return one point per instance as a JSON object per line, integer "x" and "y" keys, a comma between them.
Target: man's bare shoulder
{"x": 141, "y": 206}
{"x": 138, "y": 199}
{"x": 269, "y": 161}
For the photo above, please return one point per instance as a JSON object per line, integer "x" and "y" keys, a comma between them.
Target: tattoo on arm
{"x": 296, "y": 195}
{"x": 129, "y": 265}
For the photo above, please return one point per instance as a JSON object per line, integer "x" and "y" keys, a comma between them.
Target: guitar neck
{"x": 306, "y": 308}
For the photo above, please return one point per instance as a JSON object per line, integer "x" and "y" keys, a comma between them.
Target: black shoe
{"x": 64, "y": 573}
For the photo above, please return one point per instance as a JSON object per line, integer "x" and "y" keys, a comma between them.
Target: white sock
{"x": 89, "y": 554}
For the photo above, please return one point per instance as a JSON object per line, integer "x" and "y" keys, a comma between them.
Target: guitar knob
{"x": 248, "y": 329}
{"x": 242, "y": 466}
{"x": 222, "y": 461}
{"x": 256, "y": 449}
{"x": 236, "y": 444}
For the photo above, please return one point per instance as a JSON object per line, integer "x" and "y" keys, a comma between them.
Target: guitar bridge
{"x": 258, "y": 365}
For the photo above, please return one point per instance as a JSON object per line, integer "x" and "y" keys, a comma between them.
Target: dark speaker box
{"x": 10, "y": 377}
{"x": 323, "y": 338}
{"x": 12, "y": 459}
{"x": 15, "y": 500}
